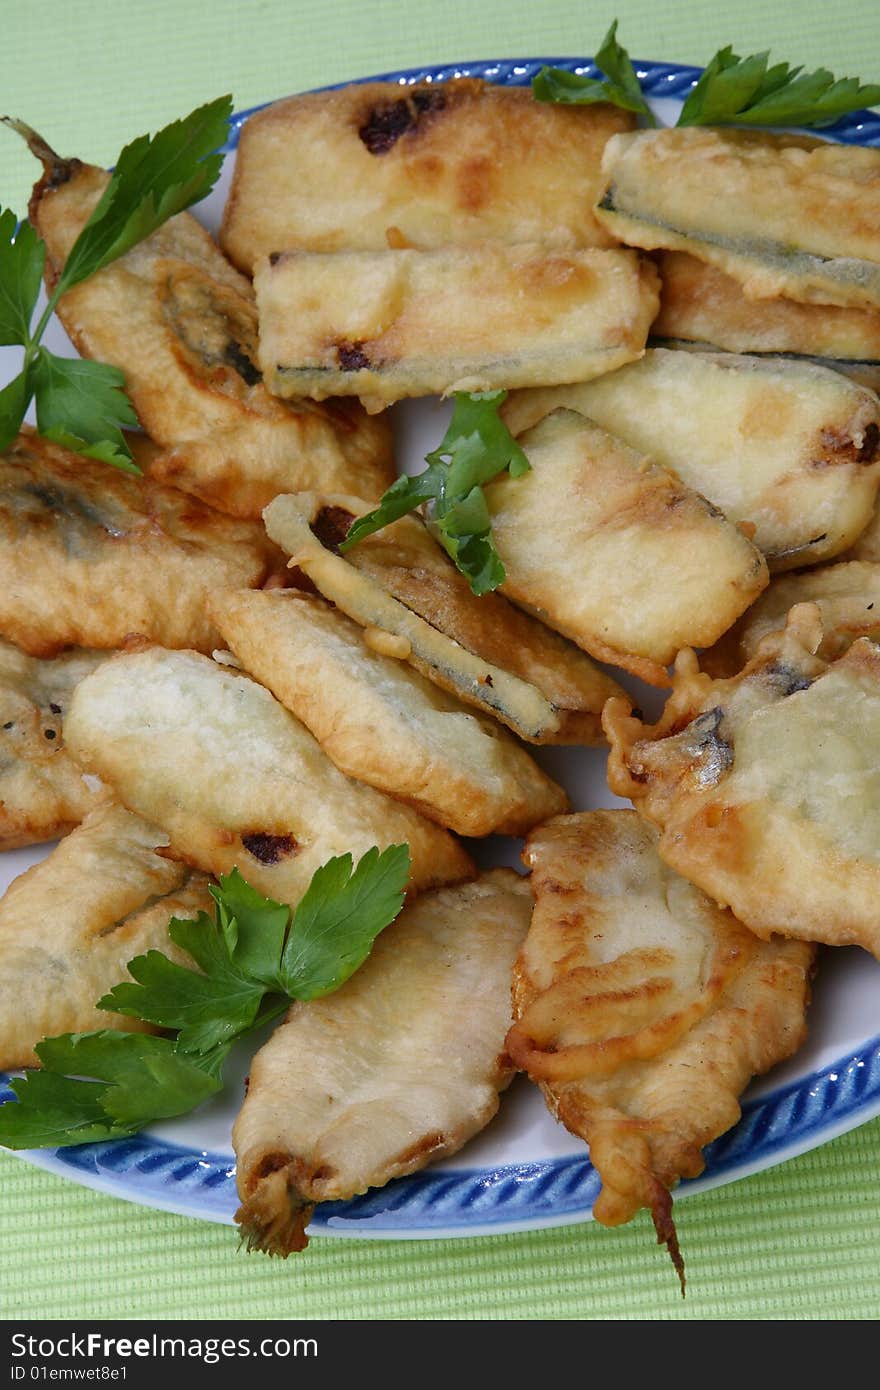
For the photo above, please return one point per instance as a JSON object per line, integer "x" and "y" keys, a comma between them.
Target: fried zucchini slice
{"x": 406, "y": 1062}
{"x": 234, "y": 779}
{"x": 788, "y": 448}
{"x": 92, "y": 556}
{"x": 784, "y": 214}
{"x": 383, "y": 325}
{"x": 181, "y": 324}
{"x": 847, "y": 596}
{"x": 615, "y": 552}
{"x": 700, "y": 304}
{"x": 766, "y": 787}
{"x": 43, "y": 794}
{"x": 427, "y": 165}
{"x": 642, "y": 1009}
{"x": 381, "y": 722}
{"x": 70, "y": 925}
{"x": 401, "y": 587}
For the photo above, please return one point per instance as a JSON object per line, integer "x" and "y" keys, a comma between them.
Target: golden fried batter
{"x": 43, "y": 794}
{"x": 234, "y": 779}
{"x": 700, "y": 304}
{"x": 384, "y": 325}
{"x": 643, "y": 1009}
{"x": 405, "y": 591}
{"x": 372, "y": 165}
{"x": 766, "y": 787}
{"x": 784, "y": 214}
{"x": 380, "y": 721}
{"x": 181, "y": 324}
{"x": 405, "y": 1062}
{"x": 70, "y": 925}
{"x": 615, "y": 552}
{"x": 847, "y": 596}
{"x": 92, "y": 556}
{"x": 790, "y": 449}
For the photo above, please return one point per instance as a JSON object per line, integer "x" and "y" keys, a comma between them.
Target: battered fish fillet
{"x": 375, "y": 164}
{"x": 766, "y": 787}
{"x": 181, "y": 324}
{"x": 847, "y": 596}
{"x": 70, "y": 925}
{"x": 91, "y": 556}
{"x": 233, "y": 779}
{"x": 867, "y": 547}
{"x": 784, "y": 214}
{"x": 643, "y": 1009}
{"x": 414, "y": 604}
{"x": 615, "y": 552}
{"x": 383, "y": 723}
{"x": 43, "y": 794}
{"x": 701, "y": 304}
{"x": 384, "y": 325}
{"x": 405, "y": 1062}
{"x": 790, "y": 449}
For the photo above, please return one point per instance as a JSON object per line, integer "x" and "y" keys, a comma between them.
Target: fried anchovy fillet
{"x": 784, "y": 214}
{"x": 92, "y": 556}
{"x": 383, "y": 325}
{"x": 70, "y": 925}
{"x": 615, "y": 552}
{"x": 380, "y": 721}
{"x": 847, "y": 596}
{"x": 181, "y": 323}
{"x": 642, "y": 1009}
{"x": 43, "y": 794}
{"x": 234, "y": 779}
{"x": 788, "y": 448}
{"x": 405, "y": 1062}
{"x": 766, "y": 787}
{"x": 401, "y": 587}
{"x": 701, "y": 304}
{"x": 372, "y": 165}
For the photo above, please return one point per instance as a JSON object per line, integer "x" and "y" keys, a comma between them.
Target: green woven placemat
{"x": 799, "y": 1241}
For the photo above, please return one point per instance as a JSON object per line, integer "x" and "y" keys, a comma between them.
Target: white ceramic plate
{"x": 524, "y": 1170}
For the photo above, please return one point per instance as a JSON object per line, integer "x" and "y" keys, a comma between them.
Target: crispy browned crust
{"x": 764, "y": 783}
{"x": 484, "y": 650}
{"x": 181, "y": 324}
{"x": 92, "y": 556}
{"x": 372, "y": 165}
{"x": 642, "y": 1009}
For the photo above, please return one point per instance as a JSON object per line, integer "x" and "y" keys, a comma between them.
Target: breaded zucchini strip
{"x": 181, "y": 324}
{"x": 701, "y": 304}
{"x": 401, "y": 587}
{"x": 377, "y": 164}
{"x": 766, "y": 787}
{"x": 790, "y": 449}
{"x": 643, "y": 1009}
{"x": 70, "y": 925}
{"x": 233, "y": 779}
{"x": 383, "y": 325}
{"x": 615, "y": 552}
{"x": 847, "y": 596}
{"x": 92, "y": 556}
{"x": 405, "y": 1062}
{"x": 784, "y": 214}
{"x": 380, "y": 721}
{"x": 43, "y": 794}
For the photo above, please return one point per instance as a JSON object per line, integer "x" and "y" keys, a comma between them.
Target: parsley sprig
{"x": 253, "y": 958}
{"x": 476, "y": 447}
{"x": 731, "y": 90}
{"x": 82, "y": 404}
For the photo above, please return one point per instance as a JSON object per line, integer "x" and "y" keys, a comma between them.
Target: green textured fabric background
{"x": 801, "y": 1241}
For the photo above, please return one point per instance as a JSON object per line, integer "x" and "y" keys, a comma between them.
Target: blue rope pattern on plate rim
{"x": 843, "y": 1095}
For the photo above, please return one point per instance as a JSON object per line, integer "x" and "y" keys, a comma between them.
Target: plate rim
{"x": 803, "y": 1114}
